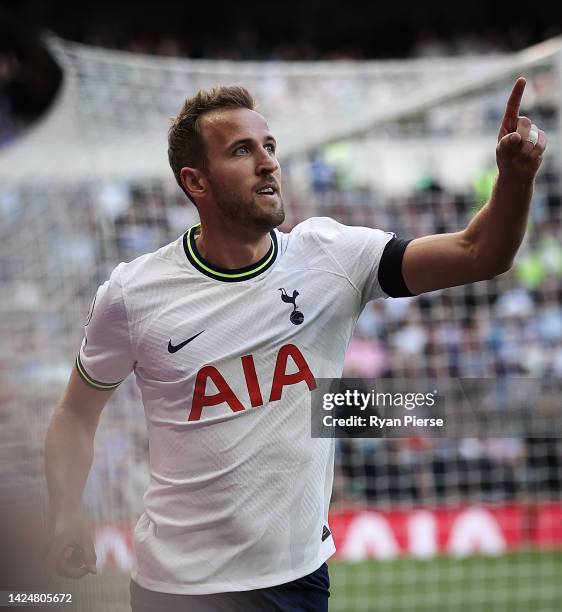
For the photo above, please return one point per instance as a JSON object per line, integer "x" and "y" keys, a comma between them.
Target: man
{"x": 227, "y": 330}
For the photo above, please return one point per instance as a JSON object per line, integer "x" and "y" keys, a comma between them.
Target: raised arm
{"x": 69, "y": 450}
{"x": 487, "y": 246}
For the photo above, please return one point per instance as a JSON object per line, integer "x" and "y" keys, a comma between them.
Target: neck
{"x": 231, "y": 250}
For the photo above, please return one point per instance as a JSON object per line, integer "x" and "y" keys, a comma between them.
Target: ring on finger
{"x": 533, "y": 136}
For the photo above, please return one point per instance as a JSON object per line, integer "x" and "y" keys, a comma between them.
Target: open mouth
{"x": 267, "y": 191}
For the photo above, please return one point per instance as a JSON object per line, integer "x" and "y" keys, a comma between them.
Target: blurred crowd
{"x": 504, "y": 328}
{"x": 249, "y": 43}
{"x": 501, "y": 329}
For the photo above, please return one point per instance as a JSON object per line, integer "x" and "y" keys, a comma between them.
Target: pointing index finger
{"x": 509, "y": 122}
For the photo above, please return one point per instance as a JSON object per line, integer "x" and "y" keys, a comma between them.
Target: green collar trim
{"x": 223, "y": 274}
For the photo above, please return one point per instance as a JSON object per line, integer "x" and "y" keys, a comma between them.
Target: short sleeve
{"x": 357, "y": 252}
{"x": 106, "y": 358}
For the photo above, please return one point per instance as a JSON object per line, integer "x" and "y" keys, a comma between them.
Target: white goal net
{"x": 467, "y": 523}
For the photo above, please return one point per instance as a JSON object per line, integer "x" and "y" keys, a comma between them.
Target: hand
{"x": 70, "y": 549}
{"x": 516, "y": 156}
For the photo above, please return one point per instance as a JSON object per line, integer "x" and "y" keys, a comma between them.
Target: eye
{"x": 241, "y": 150}
{"x": 270, "y": 147}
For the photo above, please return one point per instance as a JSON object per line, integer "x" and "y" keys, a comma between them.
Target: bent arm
{"x": 484, "y": 249}
{"x": 487, "y": 246}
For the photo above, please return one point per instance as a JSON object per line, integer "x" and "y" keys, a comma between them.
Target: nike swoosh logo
{"x": 174, "y": 349}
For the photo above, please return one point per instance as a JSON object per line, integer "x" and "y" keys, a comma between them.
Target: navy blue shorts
{"x": 307, "y": 594}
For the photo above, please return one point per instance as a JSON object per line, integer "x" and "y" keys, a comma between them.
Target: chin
{"x": 265, "y": 222}
{"x": 254, "y": 215}
{"x": 268, "y": 218}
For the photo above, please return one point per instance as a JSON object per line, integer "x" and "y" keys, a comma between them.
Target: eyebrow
{"x": 243, "y": 141}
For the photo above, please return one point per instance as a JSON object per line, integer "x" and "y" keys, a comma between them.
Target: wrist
{"x": 514, "y": 181}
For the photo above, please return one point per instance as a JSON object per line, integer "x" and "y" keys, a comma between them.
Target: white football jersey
{"x": 225, "y": 361}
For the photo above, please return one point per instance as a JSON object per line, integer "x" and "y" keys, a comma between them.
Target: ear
{"x": 194, "y": 181}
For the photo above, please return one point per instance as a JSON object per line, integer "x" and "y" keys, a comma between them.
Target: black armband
{"x": 390, "y": 269}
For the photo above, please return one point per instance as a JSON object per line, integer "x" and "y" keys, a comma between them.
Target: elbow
{"x": 489, "y": 264}
{"x": 497, "y": 268}
{"x": 505, "y": 266}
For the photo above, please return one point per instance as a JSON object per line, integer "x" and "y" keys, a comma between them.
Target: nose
{"x": 266, "y": 164}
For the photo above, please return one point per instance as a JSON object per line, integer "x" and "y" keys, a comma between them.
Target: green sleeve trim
{"x": 90, "y": 381}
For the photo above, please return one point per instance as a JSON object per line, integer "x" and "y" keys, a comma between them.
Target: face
{"x": 243, "y": 174}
